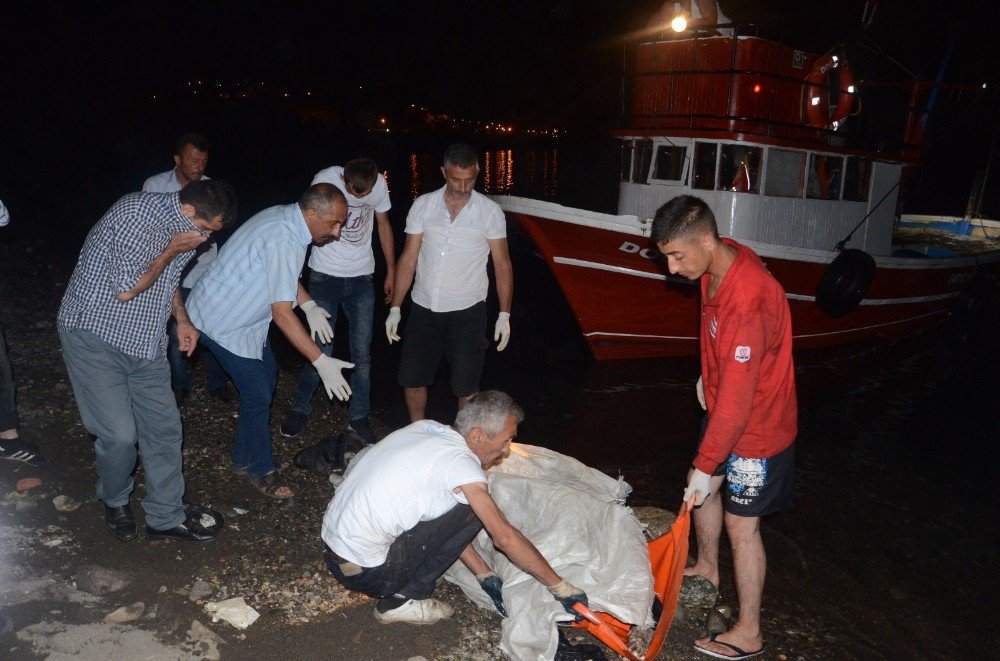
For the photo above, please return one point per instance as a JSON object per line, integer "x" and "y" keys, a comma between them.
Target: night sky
{"x": 78, "y": 78}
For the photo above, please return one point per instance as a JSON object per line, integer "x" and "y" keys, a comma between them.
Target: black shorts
{"x": 459, "y": 335}
{"x": 756, "y": 487}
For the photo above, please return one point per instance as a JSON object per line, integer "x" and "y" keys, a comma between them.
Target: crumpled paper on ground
{"x": 235, "y": 611}
{"x": 576, "y": 517}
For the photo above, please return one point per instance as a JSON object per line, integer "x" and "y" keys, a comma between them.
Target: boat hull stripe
{"x": 569, "y": 261}
{"x": 838, "y": 332}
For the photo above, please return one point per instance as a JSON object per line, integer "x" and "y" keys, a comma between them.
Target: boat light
{"x": 836, "y": 59}
{"x": 679, "y": 24}
{"x": 756, "y": 88}
{"x": 814, "y": 100}
{"x": 850, "y": 89}
{"x": 836, "y": 125}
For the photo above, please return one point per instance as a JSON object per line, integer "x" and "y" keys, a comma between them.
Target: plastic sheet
{"x": 576, "y": 517}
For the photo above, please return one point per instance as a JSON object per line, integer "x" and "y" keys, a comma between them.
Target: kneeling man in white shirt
{"x": 411, "y": 505}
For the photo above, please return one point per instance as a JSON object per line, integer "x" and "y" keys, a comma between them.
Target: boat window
{"x": 669, "y": 162}
{"x": 704, "y": 166}
{"x": 857, "y": 179}
{"x": 825, "y": 173}
{"x": 628, "y": 148}
{"x": 641, "y": 160}
{"x": 739, "y": 168}
{"x": 785, "y": 173}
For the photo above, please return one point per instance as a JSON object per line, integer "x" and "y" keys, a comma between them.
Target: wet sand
{"x": 888, "y": 551}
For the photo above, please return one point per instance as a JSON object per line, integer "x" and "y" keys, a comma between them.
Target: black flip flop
{"x": 740, "y": 654}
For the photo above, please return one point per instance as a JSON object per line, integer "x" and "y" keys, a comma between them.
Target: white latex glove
{"x": 319, "y": 327}
{"x": 700, "y": 390}
{"x": 392, "y": 325}
{"x": 334, "y": 382}
{"x": 700, "y": 483}
{"x": 501, "y": 332}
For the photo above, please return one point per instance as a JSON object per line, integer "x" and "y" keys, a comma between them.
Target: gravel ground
{"x": 268, "y": 553}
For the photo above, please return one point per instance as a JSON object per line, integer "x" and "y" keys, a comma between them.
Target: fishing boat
{"x": 775, "y": 141}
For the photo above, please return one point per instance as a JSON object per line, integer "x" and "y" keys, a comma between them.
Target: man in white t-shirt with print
{"x": 450, "y": 235}
{"x": 190, "y": 161}
{"x": 342, "y": 274}
{"x": 411, "y": 505}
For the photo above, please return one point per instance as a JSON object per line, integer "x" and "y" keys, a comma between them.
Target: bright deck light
{"x": 679, "y": 24}
{"x": 815, "y": 101}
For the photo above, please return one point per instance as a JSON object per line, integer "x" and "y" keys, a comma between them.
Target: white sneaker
{"x": 417, "y": 611}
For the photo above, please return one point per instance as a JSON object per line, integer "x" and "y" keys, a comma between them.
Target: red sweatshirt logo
{"x": 742, "y": 354}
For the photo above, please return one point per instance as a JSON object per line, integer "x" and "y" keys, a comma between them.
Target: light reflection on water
{"x": 527, "y": 172}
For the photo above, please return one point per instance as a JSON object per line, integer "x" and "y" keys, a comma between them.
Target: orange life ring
{"x": 817, "y": 100}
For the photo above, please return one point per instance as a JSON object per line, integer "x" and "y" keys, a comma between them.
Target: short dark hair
{"x": 320, "y": 198}
{"x": 196, "y": 140}
{"x": 461, "y": 155}
{"x": 211, "y": 198}
{"x": 360, "y": 175}
{"x": 681, "y": 215}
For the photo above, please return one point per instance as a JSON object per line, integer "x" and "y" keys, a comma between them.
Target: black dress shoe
{"x": 120, "y": 522}
{"x": 188, "y": 531}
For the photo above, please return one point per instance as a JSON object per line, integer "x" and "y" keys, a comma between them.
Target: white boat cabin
{"x": 765, "y": 193}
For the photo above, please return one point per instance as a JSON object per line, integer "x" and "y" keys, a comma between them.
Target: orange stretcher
{"x": 667, "y": 557}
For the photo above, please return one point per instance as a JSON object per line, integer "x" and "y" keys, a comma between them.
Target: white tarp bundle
{"x": 576, "y": 517}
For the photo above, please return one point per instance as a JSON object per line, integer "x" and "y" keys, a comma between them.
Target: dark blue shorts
{"x": 756, "y": 487}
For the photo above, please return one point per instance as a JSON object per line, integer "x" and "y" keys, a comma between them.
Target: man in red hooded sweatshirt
{"x": 747, "y": 445}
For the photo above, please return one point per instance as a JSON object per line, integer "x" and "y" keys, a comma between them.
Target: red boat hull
{"x": 628, "y": 306}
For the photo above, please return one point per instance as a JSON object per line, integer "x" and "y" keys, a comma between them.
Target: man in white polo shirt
{"x": 450, "y": 234}
{"x": 342, "y": 274}
{"x": 190, "y": 161}
{"x": 410, "y": 507}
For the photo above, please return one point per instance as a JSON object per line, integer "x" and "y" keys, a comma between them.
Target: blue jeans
{"x": 179, "y": 379}
{"x": 8, "y": 394}
{"x": 125, "y": 401}
{"x": 357, "y": 295}
{"x": 255, "y": 379}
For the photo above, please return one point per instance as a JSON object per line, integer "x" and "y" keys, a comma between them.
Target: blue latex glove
{"x": 492, "y": 586}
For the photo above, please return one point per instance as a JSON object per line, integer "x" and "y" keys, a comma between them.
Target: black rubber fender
{"x": 845, "y": 282}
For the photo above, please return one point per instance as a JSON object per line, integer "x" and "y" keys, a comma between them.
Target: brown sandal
{"x": 270, "y": 484}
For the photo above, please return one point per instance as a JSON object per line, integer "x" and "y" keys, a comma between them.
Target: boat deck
{"x": 934, "y": 237}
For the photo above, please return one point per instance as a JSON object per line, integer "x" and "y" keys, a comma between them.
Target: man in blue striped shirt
{"x": 255, "y": 279}
{"x": 112, "y": 325}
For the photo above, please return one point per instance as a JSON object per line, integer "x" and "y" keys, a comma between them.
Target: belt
{"x": 327, "y": 553}
{"x": 347, "y": 568}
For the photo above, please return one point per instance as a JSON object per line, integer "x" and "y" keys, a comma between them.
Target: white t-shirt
{"x": 166, "y": 182}
{"x": 406, "y": 478}
{"x": 351, "y": 255}
{"x": 451, "y": 266}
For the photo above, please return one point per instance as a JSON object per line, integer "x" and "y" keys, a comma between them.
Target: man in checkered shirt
{"x": 112, "y": 326}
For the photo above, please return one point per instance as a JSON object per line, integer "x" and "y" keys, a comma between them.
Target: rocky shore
{"x": 68, "y": 589}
